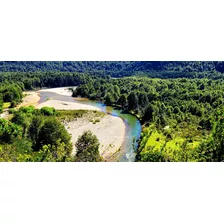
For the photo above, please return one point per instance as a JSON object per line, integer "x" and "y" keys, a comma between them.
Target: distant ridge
{"x": 114, "y": 68}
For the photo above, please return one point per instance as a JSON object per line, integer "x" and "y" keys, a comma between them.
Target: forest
{"x": 179, "y": 104}
{"x": 182, "y": 118}
{"x": 160, "y": 69}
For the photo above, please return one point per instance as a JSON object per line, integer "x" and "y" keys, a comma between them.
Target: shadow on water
{"x": 132, "y": 124}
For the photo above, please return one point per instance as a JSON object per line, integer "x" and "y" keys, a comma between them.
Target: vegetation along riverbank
{"x": 180, "y": 105}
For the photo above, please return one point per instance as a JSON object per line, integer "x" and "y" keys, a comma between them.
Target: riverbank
{"x": 110, "y": 130}
{"x": 31, "y": 98}
{"x": 62, "y": 105}
{"x": 64, "y": 91}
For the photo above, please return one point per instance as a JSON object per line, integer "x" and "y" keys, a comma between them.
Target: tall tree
{"x": 132, "y": 101}
{"x": 52, "y": 131}
{"x": 34, "y": 130}
{"x": 143, "y": 99}
{"x": 122, "y": 100}
{"x": 218, "y": 139}
{"x": 87, "y": 148}
{"x": 1, "y": 103}
{"x": 109, "y": 99}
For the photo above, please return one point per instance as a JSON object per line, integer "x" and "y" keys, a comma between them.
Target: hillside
{"x": 113, "y": 68}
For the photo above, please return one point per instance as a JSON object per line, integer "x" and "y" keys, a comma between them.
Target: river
{"x": 132, "y": 124}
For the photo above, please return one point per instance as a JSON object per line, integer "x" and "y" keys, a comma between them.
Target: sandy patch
{"x": 62, "y": 105}
{"x": 4, "y": 114}
{"x": 109, "y": 130}
{"x": 64, "y": 91}
{"x": 31, "y": 99}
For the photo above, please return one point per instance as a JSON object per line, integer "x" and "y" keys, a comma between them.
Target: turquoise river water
{"x": 132, "y": 124}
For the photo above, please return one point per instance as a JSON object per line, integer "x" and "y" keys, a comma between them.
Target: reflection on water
{"x": 132, "y": 124}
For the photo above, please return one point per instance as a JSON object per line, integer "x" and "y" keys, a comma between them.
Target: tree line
{"x": 117, "y": 68}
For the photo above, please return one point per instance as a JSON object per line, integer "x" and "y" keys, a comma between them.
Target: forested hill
{"x": 114, "y": 68}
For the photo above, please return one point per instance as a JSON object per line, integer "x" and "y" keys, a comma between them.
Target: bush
{"x": 27, "y": 110}
{"x": 12, "y": 111}
{"x": 48, "y": 111}
{"x": 13, "y": 104}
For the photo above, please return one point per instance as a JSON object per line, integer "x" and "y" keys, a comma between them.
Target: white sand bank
{"x": 109, "y": 130}
{"x": 31, "y": 99}
{"x": 62, "y": 105}
{"x": 64, "y": 91}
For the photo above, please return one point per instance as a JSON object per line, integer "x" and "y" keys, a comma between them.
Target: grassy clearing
{"x": 156, "y": 140}
{"x": 70, "y": 115}
{"x": 6, "y": 105}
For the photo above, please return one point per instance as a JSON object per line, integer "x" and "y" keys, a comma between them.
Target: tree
{"x": 218, "y": 140}
{"x": 19, "y": 151}
{"x": 9, "y": 132}
{"x": 27, "y": 110}
{"x": 52, "y": 131}
{"x": 1, "y": 103}
{"x": 87, "y": 148}
{"x": 11, "y": 93}
{"x": 122, "y": 100}
{"x": 176, "y": 110}
{"x": 109, "y": 99}
{"x": 132, "y": 101}
{"x": 34, "y": 130}
{"x": 152, "y": 155}
{"x": 143, "y": 100}
{"x": 53, "y": 153}
{"x": 47, "y": 111}
{"x": 21, "y": 119}
{"x": 13, "y": 104}
{"x": 148, "y": 116}
{"x": 117, "y": 89}
{"x": 8, "y": 96}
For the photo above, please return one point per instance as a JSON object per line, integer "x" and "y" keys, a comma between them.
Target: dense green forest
{"x": 11, "y": 93}
{"x": 118, "y": 68}
{"x": 36, "y": 80}
{"x": 180, "y": 116}
{"x": 180, "y": 105}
